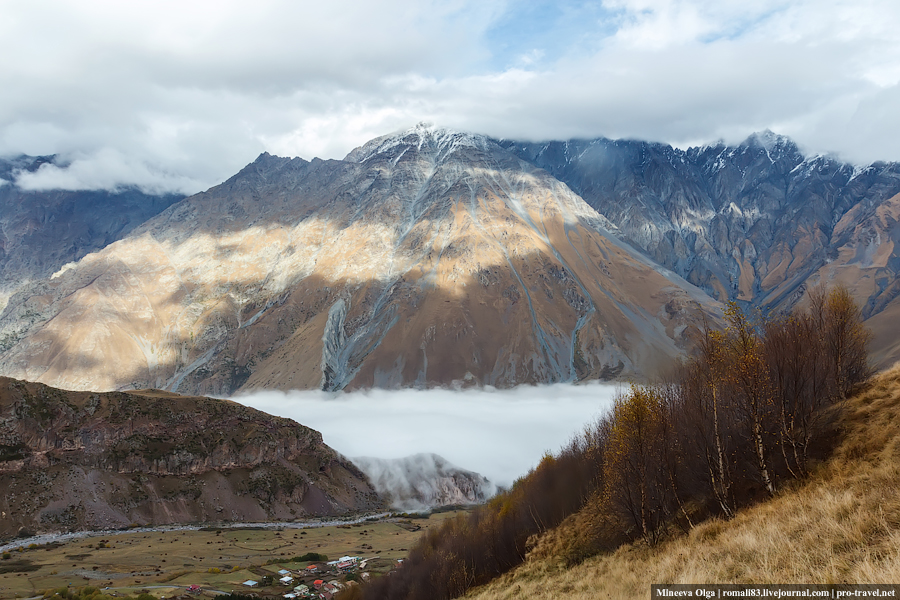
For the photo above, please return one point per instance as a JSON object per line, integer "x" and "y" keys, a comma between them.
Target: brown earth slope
{"x": 81, "y": 460}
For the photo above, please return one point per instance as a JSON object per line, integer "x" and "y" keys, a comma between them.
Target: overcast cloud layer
{"x": 500, "y": 434}
{"x": 178, "y": 96}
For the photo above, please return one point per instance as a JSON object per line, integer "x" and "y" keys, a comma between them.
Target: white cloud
{"x": 180, "y": 96}
{"x": 500, "y": 434}
{"x": 107, "y": 169}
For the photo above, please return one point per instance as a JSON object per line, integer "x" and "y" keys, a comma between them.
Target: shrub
{"x": 310, "y": 557}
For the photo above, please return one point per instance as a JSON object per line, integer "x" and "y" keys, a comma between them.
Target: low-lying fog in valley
{"x": 500, "y": 434}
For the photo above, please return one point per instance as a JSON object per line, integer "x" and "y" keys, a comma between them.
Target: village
{"x": 310, "y": 581}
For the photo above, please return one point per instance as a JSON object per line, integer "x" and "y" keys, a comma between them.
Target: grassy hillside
{"x": 840, "y": 525}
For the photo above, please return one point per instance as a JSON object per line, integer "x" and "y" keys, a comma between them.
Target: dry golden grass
{"x": 841, "y": 526}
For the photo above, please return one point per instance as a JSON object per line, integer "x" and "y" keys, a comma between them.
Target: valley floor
{"x": 841, "y": 526}
{"x": 165, "y": 563}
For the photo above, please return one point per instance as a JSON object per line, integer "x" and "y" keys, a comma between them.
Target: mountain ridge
{"x": 439, "y": 257}
{"x": 758, "y": 223}
{"x": 436, "y": 257}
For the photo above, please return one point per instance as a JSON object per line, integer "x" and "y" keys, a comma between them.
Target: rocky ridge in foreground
{"x": 82, "y": 460}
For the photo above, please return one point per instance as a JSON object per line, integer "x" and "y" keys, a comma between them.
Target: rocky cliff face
{"x": 80, "y": 460}
{"x": 42, "y": 231}
{"x": 424, "y": 481}
{"x": 758, "y": 222}
{"x": 425, "y": 258}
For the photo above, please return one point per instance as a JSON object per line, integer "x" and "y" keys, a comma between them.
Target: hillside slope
{"x": 40, "y": 231}
{"x": 841, "y": 526}
{"x": 81, "y": 460}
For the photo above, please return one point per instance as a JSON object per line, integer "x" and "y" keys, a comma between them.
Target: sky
{"x": 500, "y": 434}
{"x": 178, "y": 96}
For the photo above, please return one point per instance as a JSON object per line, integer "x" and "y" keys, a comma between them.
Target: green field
{"x": 164, "y": 563}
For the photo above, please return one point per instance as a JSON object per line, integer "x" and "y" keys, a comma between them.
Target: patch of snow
{"x": 859, "y": 170}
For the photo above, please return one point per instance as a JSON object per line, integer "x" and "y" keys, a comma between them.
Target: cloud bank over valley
{"x": 499, "y": 434}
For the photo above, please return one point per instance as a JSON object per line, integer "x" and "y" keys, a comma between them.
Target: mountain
{"x": 83, "y": 460}
{"x": 759, "y": 222}
{"x": 429, "y": 257}
{"x": 42, "y": 231}
{"x": 424, "y": 481}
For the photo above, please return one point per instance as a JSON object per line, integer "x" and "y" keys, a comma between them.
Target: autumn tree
{"x": 844, "y": 336}
{"x": 705, "y": 416}
{"x": 636, "y": 482}
{"x": 747, "y": 374}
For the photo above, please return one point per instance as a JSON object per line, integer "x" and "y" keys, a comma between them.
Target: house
{"x": 318, "y": 583}
{"x": 194, "y": 589}
{"x": 283, "y": 572}
{"x": 312, "y": 569}
{"x": 250, "y": 583}
{"x": 287, "y": 580}
{"x": 302, "y": 589}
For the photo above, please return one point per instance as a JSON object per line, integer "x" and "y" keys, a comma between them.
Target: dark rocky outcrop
{"x": 74, "y": 460}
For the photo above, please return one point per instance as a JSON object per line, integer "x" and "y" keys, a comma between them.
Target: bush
{"x": 310, "y": 557}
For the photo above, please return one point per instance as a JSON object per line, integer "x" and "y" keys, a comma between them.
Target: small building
{"x": 302, "y": 589}
{"x": 287, "y": 580}
{"x": 250, "y": 583}
{"x": 318, "y": 583}
{"x": 312, "y": 569}
{"x": 290, "y": 596}
{"x": 284, "y": 572}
